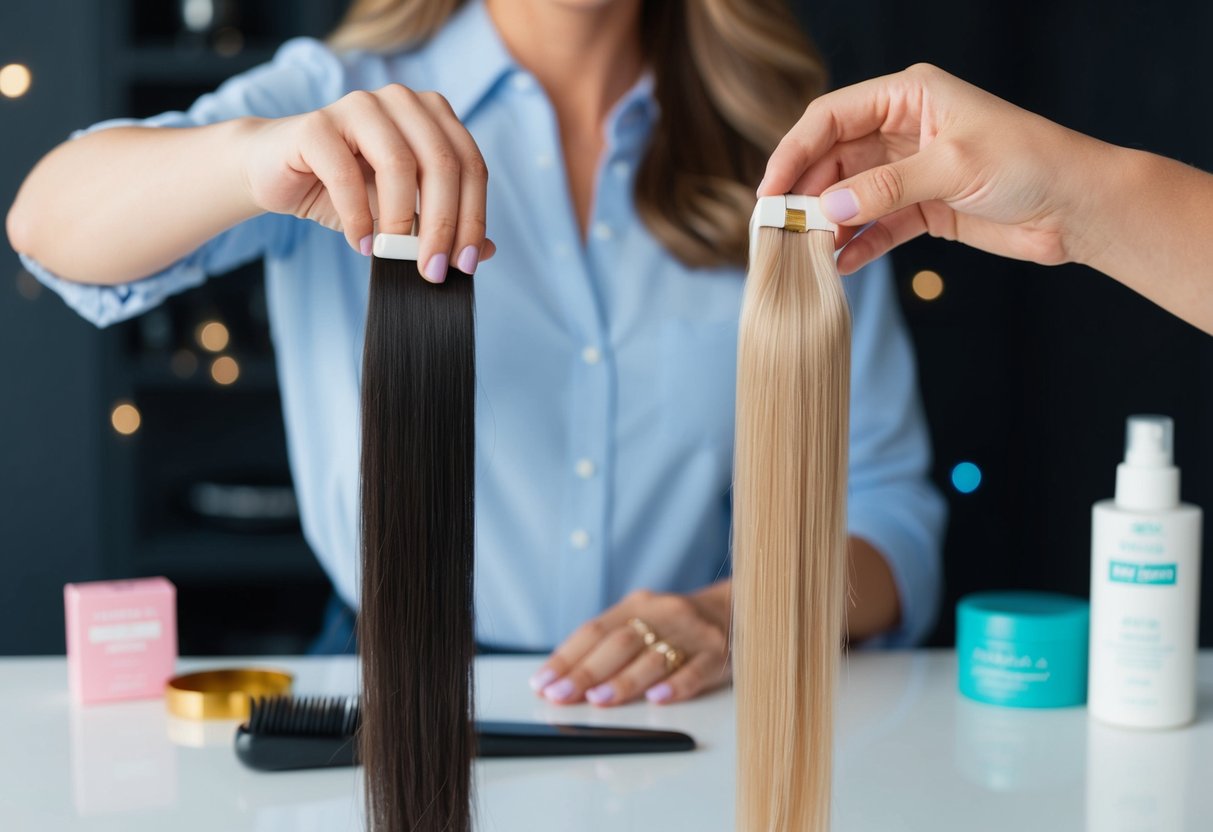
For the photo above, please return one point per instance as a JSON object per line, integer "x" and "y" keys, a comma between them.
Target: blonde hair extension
{"x": 789, "y": 528}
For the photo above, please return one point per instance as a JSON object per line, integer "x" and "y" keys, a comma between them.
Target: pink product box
{"x": 121, "y": 638}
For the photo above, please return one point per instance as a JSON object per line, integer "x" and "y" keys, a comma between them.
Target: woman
{"x": 623, "y": 138}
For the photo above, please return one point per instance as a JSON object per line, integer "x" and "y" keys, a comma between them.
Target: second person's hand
{"x": 922, "y": 151}
{"x": 363, "y": 159}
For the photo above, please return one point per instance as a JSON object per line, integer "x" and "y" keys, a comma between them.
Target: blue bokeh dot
{"x": 966, "y": 477}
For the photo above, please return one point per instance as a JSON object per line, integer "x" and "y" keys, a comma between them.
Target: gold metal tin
{"x": 222, "y": 694}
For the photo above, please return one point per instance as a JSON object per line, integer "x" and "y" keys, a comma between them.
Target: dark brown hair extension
{"x": 415, "y": 627}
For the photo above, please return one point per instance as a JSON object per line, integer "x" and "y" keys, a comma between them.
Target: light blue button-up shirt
{"x": 606, "y": 368}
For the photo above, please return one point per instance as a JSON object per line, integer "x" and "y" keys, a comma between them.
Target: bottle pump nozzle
{"x": 1148, "y": 480}
{"x": 1149, "y": 441}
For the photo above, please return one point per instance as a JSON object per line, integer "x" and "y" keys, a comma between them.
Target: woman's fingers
{"x": 842, "y": 160}
{"x": 370, "y": 132}
{"x": 939, "y": 172}
{"x": 570, "y": 651}
{"x": 603, "y": 661}
{"x": 839, "y": 116}
{"x": 469, "y": 240}
{"x": 439, "y": 174}
{"x": 630, "y": 683}
{"x": 880, "y": 238}
{"x": 702, "y": 672}
{"x": 366, "y": 158}
{"x": 704, "y": 665}
{"x": 326, "y": 155}
{"x": 589, "y": 634}
{"x": 611, "y": 660}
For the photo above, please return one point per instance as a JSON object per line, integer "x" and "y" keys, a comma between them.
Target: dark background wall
{"x": 1027, "y": 372}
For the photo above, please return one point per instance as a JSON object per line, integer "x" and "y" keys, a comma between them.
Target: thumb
{"x": 884, "y": 189}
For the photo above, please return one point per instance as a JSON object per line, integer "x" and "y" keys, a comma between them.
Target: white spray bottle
{"x": 1145, "y": 589}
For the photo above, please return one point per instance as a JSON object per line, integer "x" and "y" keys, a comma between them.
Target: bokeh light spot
{"x": 225, "y": 370}
{"x": 125, "y": 418}
{"x": 15, "y": 80}
{"x": 966, "y": 477}
{"x": 212, "y": 336}
{"x": 927, "y": 285}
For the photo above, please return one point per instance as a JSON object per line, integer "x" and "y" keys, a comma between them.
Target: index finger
{"x": 839, "y": 116}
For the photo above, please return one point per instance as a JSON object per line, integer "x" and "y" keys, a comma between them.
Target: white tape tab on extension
{"x": 395, "y": 246}
{"x": 795, "y": 212}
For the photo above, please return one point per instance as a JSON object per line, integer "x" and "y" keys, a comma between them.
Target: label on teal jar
{"x": 1023, "y": 676}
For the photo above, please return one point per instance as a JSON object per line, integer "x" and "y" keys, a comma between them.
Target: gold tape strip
{"x": 795, "y": 220}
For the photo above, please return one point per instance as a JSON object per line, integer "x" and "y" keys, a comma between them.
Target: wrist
{"x": 1106, "y": 184}
{"x": 241, "y": 134}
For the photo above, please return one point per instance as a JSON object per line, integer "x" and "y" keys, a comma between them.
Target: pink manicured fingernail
{"x": 435, "y": 270}
{"x": 600, "y": 695}
{"x": 559, "y": 691}
{"x": 542, "y": 679}
{"x": 469, "y": 258}
{"x": 364, "y": 245}
{"x": 659, "y": 693}
{"x": 840, "y": 206}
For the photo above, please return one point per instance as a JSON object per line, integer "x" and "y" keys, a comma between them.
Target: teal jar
{"x": 1023, "y": 649}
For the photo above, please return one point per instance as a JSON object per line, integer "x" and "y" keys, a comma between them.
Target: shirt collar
{"x": 467, "y": 58}
{"x": 629, "y": 122}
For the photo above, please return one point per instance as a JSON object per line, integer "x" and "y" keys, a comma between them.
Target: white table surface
{"x": 912, "y": 755}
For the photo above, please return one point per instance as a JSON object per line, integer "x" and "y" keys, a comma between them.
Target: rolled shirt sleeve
{"x": 303, "y": 76}
{"x": 891, "y": 502}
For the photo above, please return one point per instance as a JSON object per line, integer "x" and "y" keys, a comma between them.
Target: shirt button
{"x": 580, "y": 539}
{"x": 522, "y": 82}
{"x": 561, "y": 249}
{"x": 603, "y": 231}
{"x": 591, "y": 355}
{"x": 544, "y": 161}
{"x": 621, "y": 168}
{"x": 584, "y": 468}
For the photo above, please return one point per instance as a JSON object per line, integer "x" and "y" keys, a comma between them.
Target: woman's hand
{"x": 607, "y": 662}
{"x": 364, "y": 158}
{"x": 922, "y": 151}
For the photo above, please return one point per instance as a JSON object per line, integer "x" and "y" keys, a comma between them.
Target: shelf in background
{"x": 206, "y": 554}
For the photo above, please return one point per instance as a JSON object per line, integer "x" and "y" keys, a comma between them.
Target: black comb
{"x": 285, "y": 733}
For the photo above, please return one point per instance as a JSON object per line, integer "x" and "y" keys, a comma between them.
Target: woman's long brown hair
{"x": 789, "y": 529}
{"x": 731, "y": 76}
{"x": 415, "y": 625}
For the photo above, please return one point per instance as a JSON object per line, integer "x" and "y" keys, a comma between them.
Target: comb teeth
{"x": 304, "y": 716}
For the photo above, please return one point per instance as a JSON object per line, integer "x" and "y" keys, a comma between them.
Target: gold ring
{"x": 222, "y": 694}
{"x": 673, "y": 656}
{"x": 644, "y": 630}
